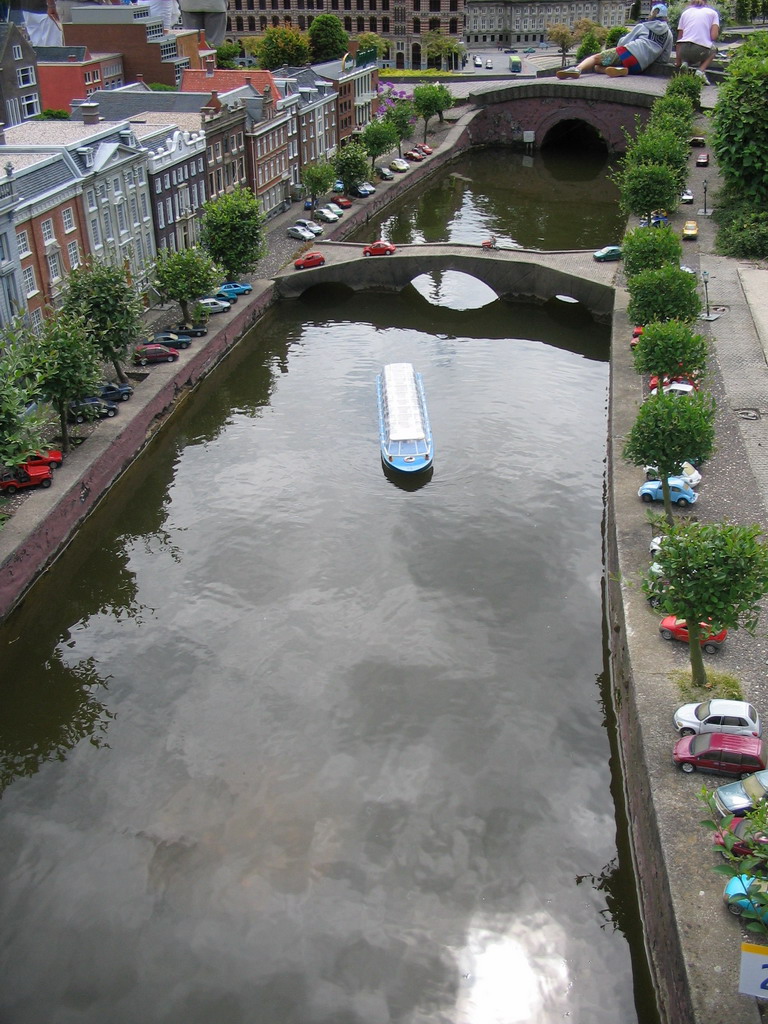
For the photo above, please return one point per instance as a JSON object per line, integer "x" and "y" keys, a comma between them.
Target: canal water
{"x": 285, "y": 741}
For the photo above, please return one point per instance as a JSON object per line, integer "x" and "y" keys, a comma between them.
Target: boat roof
{"x": 405, "y": 420}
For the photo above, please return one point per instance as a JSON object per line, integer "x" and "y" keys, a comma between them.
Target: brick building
{"x": 19, "y": 88}
{"x": 70, "y": 73}
{"x": 508, "y": 22}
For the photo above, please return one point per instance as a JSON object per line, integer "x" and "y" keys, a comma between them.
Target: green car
{"x": 608, "y": 254}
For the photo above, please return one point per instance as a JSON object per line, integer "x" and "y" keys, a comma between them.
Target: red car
{"x": 309, "y": 259}
{"x": 414, "y": 154}
{"x": 379, "y": 249}
{"x": 672, "y": 628}
{"x": 343, "y": 202}
{"x": 144, "y": 354}
{"x": 17, "y": 479}
{"x": 425, "y": 149}
{"x": 702, "y": 160}
{"x": 721, "y": 753}
{"x": 745, "y": 834}
{"x": 52, "y": 458}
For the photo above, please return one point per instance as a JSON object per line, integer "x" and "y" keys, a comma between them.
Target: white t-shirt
{"x": 695, "y": 25}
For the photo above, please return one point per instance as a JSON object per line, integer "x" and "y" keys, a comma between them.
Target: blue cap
{"x": 660, "y": 10}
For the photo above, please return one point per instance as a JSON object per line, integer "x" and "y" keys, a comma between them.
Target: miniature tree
{"x": 232, "y": 232}
{"x": 400, "y": 113}
{"x": 318, "y": 178}
{"x": 327, "y": 38}
{"x": 668, "y": 293}
{"x": 184, "y": 276}
{"x": 431, "y": 100}
{"x": 563, "y": 37}
{"x": 351, "y": 165}
{"x": 20, "y": 433}
{"x": 102, "y": 293}
{"x": 379, "y": 136}
{"x": 669, "y": 348}
{"x": 281, "y": 47}
{"x": 714, "y": 573}
{"x": 650, "y": 248}
{"x": 668, "y": 431}
{"x": 647, "y": 187}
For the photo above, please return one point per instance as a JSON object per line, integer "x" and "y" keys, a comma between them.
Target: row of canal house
{"x": 127, "y": 176}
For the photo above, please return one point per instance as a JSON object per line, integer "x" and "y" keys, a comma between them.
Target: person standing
{"x": 40, "y": 19}
{"x": 648, "y": 42}
{"x": 697, "y": 31}
{"x": 209, "y": 15}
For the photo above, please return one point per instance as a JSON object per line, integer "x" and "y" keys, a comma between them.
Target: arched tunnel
{"x": 574, "y": 134}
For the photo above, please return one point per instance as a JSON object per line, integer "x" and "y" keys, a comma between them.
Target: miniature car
{"x": 236, "y": 287}
{"x": 702, "y": 160}
{"x": 746, "y": 836}
{"x": 489, "y": 64}
{"x": 737, "y": 798}
{"x": 52, "y": 459}
{"x": 171, "y": 340}
{"x": 530, "y": 49}
{"x": 607, "y": 254}
{"x": 738, "y": 895}
{"x": 338, "y": 185}
{"x": 91, "y": 408}
{"x": 214, "y": 305}
{"x": 414, "y": 155}
{"x": 427, "y": 150}
{"x": 193, "y": 330}
{"x": 337, "y": 208}
{"x": 399, "y": 165}
{"x": 149, "y": 353}
{"x": 672, "y": 628}
{"x": 17, "y": 479}
{"x": 686, "y": 196}
{"x": 735, "y": 717}
{"x": 677, "y": 388}
{"x": 361, "y": 191}
{"x": 679, "y": 492}
{"x": 720, "y": 753}
{"x": 690, "y": 230}
{"x": 309, "y": 259}
{"x": 310, "y": 225}
{"x": 379, "y": 248}
{"x": 697, "y": 140}
{"x": 326, "y": 215}
{"x": 115, "y": 392}
{"x": 342, "y": 202}
{"x": 688, "y": 472}
{"x": 385, "y": 174}
{"x": 478, "y": 62}
{"x": 303, "y": 234}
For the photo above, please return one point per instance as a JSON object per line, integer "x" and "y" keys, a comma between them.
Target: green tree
{"x": 740, "y": 123}
{"x": 585, "y": 27}
{"x": 713, "y": 572}
{"x": 668, "y": 431}
{"x": 589, "y": 44}
{"x": 379, "y": 136}
{"x": 318, "y": 178}
{"x": 232, "y": 232}
{"x": 662, "y": 146}
{"x": 20, "y": 433}
{"x": 283, "y": 46}
{"x": 647, "y": 187}
{"x": 668, "y": 293}
{"x": 51, "y": 115}
{"x": 687, "y": 86}
{"x": 184, "y": 276}
{"x": 562, "y": 36}
{"x": 67, "y": 364}
{"x": 675, "y": 111}
{"x": 327, "y": 38}
{"x": 441, "y": 51}
{"x": 371, "y": 41}
{"x": 351, "y": 165}
{"x": 669, "y": 348}
{"x": 226, "y": 55}
{"x": 614, "y": 35}
{"x": 429, "y": 100}
{"x": 402, "y": 115}
{"x": 102, "y": 293}
{"x": 650, "y": 248}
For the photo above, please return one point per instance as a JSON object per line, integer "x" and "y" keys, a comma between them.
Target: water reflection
{"x": 407, "y": 481}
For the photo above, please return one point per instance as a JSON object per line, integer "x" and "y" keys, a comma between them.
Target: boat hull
{"x": 405, "y": 434}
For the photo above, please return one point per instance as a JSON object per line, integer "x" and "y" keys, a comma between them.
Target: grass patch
{"x": 719, "y": 684}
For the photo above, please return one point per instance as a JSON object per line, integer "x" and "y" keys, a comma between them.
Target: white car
{"x": 326, "y": 215}
{"x": 686, "y": 196}
{"x": 489, "y": 63}
{"x": 368, "y": 187}
{"x": 688, "y": 472}
{"x": 676, "y": 388}
{"x": 731, "y": 716}
{"x": 214, "y": 305}
{"x": 478, "y": 62}
{"x": 303, "y": 234}
{"x": 310, "y": 225}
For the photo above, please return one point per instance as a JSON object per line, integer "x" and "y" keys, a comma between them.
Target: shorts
{"x": 694, "y": 53}
{"x": 620, "y": 58}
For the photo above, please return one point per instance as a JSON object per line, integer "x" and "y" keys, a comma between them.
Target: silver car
{"x": 326, "y": 215}
{"x": 303, "y": 234}
{"x": 310, "y": 225}
{"x": 731, "y": 716}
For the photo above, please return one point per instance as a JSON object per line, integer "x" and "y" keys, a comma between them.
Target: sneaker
{"x": 701, "y": 76}
{"x": 616, "y": 72}
{"x": 684, "y": 66}
{"x": 569, "y": 73}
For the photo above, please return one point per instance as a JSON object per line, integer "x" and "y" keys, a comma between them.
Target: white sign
{"x": 753, "y": 979}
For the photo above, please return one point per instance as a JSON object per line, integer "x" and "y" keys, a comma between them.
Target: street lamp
{"x": 705, "y": 279}
{"x": 705, "y": 183}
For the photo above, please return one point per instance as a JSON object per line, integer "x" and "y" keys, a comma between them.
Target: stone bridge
{"x": 520, "y": 274}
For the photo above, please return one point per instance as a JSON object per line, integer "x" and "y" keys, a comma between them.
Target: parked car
{"x": 214, "y": 305}
{"x": 115, "y": 392}
{"x": 658, "y": 220}
{"x": 425, "y": 149}
{"x": 686, "y": 196}
{"x": 489, "y": 64}
{"x": 690, "y": 230}
{"x": 91, "y": 408}
{"x": 737, "y": 895}
{"x": 672, "y": 628}
{"x": 735, "y": 717}
{"x": 150, "y": 353}
{"x": 338, "y": 186}
{"x": 326, "y": 215}
{"x": 303, "y": 234}
{"x": 236, "y": 287}
{"x": 678, "y": 388}
{"x": 342, "y": 202}
{"x": 399, "y": 165}
{"x": 702, "y": 160}
{"x": 679, "y": 492}
{"x": 385, "y": 174}
{"x": 688, "y": 472}
{"x": 478, "y": 62}
{"x": 737, "y": 798}
{"x": 52, "y": 459}
{"x": 311, "y": 225}
{"x": 368, "y": 186}
{"x": 171, "y": 339}
{"x": 309, "y": 259}
{"x": 335, "y": 207}
{"x": 697, "y": 141}
{"x": 607, "y": 254}
{"x": 193, "y": 330}
{"x": 223, "y": 296}
{"x": 18, "y": 479}
{"x": 721, "y": 754}
{"x": 308, "y": 204}
{"x": 746, "y": 835}
{"x": 360, "y": 192}
{"x": 379, "y": 248}
{"x": 414, "y": 155}
{"x": 530, "y": 49}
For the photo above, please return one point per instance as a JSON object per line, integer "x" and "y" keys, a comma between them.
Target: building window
{"x": 22, "y": 243}
{"x": 54, "y": 266}
{"x": 122, "y": 224}
{"x": 73, "y": 254}
{"x": 25, "y": 77}
{"x": 36, "y": 316}
{"x": 17, "y": 53}
{"x": 30, "y": 104}
{"x": 30, "y": 285}
{"x": 160, "y": 215}
{"x": 47, "y": 230}
{"x": 109, "y": 233}
{"x": 95, "y": 232}
{"x": 68, "y": 219}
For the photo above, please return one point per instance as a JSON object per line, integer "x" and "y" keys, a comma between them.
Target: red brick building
{"x": 69, "y": 73}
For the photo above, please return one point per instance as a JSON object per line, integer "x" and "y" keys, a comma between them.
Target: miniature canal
{"x": 285, "y": 742}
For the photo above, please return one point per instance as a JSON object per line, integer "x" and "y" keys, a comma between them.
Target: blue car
{"x": 737, "y": 898}
{"x": 679, "y": 491}
{"x": 115, "y": 392}
{"x": 235, "y": 288}
{"x": 338, "y": 186}
{"x": 739, "y": 798}
{"x": 90, "y": 408}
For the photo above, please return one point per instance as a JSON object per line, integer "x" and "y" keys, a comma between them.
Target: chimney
{"x": 72, "y": 58}
{"x": 90, "y": 113}
{"x": 139, "y": 76}
{"x": 209, "y": 67}
{"x": 247, "y": 79}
